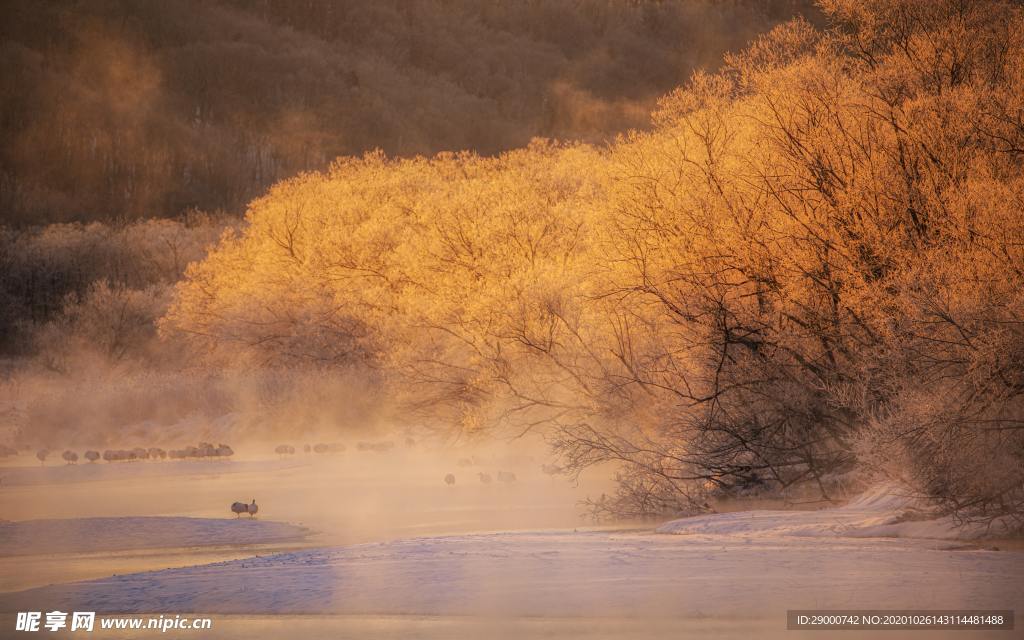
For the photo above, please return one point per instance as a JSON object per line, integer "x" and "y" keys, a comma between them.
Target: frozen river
{"x": 410, "y": 557}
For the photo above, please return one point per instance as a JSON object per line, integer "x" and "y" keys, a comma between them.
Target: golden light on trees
{"x": 813, "y": 262}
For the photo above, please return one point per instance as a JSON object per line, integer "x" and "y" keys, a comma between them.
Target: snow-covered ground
{"x": 882, "y": 512}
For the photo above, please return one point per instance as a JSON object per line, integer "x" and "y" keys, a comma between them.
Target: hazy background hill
{"x": 114, "y": 109}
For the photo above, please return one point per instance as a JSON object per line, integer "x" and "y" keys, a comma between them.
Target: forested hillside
{"x": 115, "y": 109}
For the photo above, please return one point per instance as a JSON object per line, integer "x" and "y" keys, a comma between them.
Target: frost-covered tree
{"x": 812, "y": 265}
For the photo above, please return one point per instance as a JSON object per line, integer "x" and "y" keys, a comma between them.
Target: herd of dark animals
{"x": 507, "y": 477}
{"x": 204, "y": 450}
{"x": 387, "y": 445}
{"x": 208, "y": 450}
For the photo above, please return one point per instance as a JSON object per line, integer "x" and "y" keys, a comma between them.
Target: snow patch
{"x": 883, "y": 511}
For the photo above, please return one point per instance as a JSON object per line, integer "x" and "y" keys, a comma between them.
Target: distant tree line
{"x": 98, "y": 285}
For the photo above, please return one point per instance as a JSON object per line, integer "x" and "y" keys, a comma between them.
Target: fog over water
{"x": 345, "y": 498}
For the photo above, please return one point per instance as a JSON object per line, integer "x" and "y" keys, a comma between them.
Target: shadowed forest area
{"x": 121, "y": 109}
{"x": 803, "y": 275}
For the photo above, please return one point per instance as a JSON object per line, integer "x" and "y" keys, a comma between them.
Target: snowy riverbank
{"x": 882, "y": 512}
{"x": 568, "y": 574}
